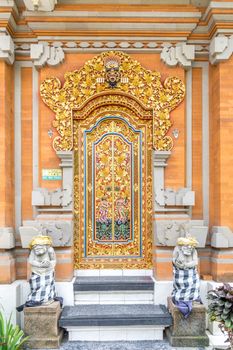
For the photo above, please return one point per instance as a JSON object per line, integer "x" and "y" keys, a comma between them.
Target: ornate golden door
{"x": 112, "y": 113}
{"x": 113, "y": 184}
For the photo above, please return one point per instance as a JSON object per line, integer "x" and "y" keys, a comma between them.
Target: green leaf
{"x": 224, "y": 317}
{"x": 228, "y": 304}
{"x": 228, "y": 323}
{"x": 11, "y": 337}
{"x": 226, "y": 311}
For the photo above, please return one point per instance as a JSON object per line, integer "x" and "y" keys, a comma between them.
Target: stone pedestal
{"x": 190, "y": 332}
{"x": 41, "y": 325}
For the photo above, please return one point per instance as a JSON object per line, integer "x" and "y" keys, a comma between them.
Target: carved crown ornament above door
{"x": 112, "y": 73}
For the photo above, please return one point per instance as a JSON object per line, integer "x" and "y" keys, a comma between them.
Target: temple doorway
{"x": 112, "y": 186}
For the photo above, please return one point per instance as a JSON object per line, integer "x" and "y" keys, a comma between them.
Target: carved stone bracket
{"x": 221, "y": 48}
{"x": 181, "y": 54}
{"x": 42, "y": 54}
{"x": 221, "y": 237}
{"x": 40, "y": 5}
{"x": 7, "y": 48}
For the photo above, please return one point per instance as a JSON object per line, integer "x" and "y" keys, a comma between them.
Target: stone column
{"x": 161, "y": 268}
{"x": 66, "y": 164}
{"x": 159, "y": 163}
{"x": 64, "y": 268}
{"x": 7, "y": 265}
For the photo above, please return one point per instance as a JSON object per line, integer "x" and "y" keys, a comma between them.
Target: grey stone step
{"x": 115, "y": 283}
{"x": 115, "y": 315}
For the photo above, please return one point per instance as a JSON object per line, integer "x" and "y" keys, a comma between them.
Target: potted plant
{"x": 11, "y": 337}
{"x": 221, "y": 309}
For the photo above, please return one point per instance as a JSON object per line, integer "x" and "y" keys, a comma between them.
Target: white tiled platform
{"x": 116, "y": 333}
{"x": 114, "y": 297}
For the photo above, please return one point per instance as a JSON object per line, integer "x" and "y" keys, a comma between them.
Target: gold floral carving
{"x": 141, "y": 84}
{"x": 140, "y": 99}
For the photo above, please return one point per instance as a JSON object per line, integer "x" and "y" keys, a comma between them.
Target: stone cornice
{"x": 110, "y": 20}
{"x": 216, "y": 19}
{"x": 72, "y": 19}
{"x": 171, "y": 30}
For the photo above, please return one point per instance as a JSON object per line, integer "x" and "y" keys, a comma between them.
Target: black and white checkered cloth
{"x": 186, "y": 284}
{"x": 42, "y": 287}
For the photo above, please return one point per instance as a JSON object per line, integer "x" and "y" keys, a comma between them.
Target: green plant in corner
{"x": 11, "y": 337}
{"x": 221, "y": 309}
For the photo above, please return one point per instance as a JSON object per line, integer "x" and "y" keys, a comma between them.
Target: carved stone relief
{"x": 59, "y": 230}
{"x": 170, "y": 197}
{"x": 59, "y": 197}
{"x": 166, "y": 232}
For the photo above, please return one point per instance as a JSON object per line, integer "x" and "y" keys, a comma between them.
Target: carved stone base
{"x": 188, "y": 342}
{"x": 49, "y": 343}
{"x": 190, "y": 332}
{"x": 41, "y": 324}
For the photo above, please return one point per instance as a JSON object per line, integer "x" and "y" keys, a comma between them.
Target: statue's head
{"x": 40, "y": 244}
{"x": 187, "y": 244}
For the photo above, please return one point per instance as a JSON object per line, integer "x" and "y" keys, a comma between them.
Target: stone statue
{"x": 42, "y": 260}
{"x": 186, "y": 285}
{"x": 42, "y": 283}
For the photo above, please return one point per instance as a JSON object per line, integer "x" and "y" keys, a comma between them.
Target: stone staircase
{"x": 114, "y": 308}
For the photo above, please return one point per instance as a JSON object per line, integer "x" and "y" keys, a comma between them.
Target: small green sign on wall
{"x": 51, "y": 174}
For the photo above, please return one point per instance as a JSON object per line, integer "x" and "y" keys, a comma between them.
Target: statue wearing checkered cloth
{"x": 42, "y": 260}
{"x": 186, "y": 284}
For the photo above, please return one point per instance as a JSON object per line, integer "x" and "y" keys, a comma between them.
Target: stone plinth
{"x": 190, "y": 332}
{"x": 41, "y": 325}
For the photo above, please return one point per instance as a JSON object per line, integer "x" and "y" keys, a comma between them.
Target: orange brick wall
{"x": 6, "y": 145}
{"x": 226, "y": 144}
{"x": 221, "y": 155}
